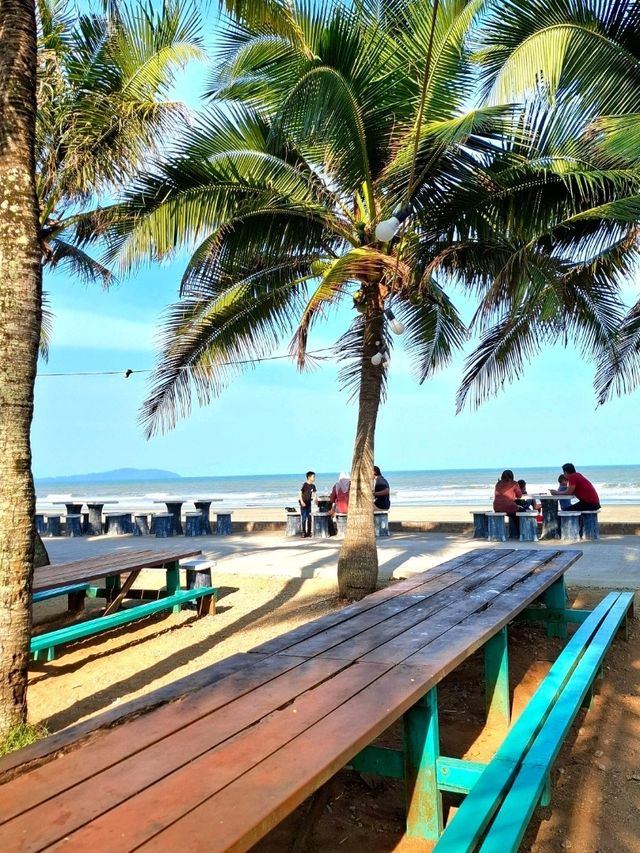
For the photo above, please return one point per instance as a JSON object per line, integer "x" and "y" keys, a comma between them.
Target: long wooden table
{"x": 220, "y": 766}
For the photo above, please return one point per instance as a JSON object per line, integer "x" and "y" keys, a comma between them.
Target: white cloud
{"x": 85, "y": 330}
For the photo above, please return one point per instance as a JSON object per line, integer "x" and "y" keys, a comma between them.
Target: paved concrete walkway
{"x": 612, "y": 562}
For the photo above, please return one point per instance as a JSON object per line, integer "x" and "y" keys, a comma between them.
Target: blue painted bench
{"x": 80, "y": 630}
{"x": 494, "y": 815}
{"x": 46, "y": 594}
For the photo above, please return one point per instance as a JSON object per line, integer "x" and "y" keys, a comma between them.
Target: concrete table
{"x": 95, "y": 506}
{"x": 174, "y": 506}
{"x": 204, "y": 505}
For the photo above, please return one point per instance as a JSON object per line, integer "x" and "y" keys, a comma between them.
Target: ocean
{"x": 616, "y": 484}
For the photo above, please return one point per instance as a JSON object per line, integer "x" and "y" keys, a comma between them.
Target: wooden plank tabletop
{"x": 91, "y": 568}
{"x": 225, "y": 763}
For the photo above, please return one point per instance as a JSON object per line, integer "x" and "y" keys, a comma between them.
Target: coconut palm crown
{"x": 320, "y": 128}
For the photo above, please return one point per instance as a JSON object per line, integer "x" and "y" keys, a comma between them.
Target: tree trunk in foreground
{"x": 358, "y": 561}
{"x": 20, "y": 313}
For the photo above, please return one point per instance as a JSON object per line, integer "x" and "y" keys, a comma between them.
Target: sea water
{"x": 616, "y": 484}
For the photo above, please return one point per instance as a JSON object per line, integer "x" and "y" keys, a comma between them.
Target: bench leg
{"x": 173, "y": 581}
{"x": 556, "y": 598}
{"x": 422, "y": 748}
{"x": 496, "y": 674}
{"x": 75, "y": 601}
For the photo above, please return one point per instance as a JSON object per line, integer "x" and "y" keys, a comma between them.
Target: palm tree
{"x": 320, "y": 129}
{"x": 20, "y": 296}
{"x": 582, "y": 61}
{"x": 103, "y": 81}
{"x": 100, "y": 83}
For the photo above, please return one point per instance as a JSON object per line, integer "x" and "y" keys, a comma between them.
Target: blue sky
{"x": 276, "y": 420}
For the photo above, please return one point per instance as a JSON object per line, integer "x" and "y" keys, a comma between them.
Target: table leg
{"x": 549, "y": 518}
{"x": 556, "y": 598}
{"x": 204, "y": 507}
{"x": 126, "y": 586}
{"x": 496, "y": 673}
{"x": 95, "y": 519}
{"x": 175, "y": 507}
{"x": 173, "y": 581}
{"x": 422, "y": 748}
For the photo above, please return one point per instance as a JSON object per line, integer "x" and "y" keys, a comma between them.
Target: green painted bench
{"x": 494, "y": 815}
{"x": 172, "y": 602}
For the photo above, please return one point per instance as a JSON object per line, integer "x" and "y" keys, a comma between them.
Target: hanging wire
{"x": 126, "y": 373}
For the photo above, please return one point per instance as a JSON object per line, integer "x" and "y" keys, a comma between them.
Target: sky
{"x": 274, "y": 419}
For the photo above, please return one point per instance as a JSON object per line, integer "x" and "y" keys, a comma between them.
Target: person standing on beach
{"x": 579, "y": 487}
{"x": 306, "y": 496}
{"x": 381, "y": 490}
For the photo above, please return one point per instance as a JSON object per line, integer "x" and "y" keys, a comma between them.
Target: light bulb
{"x": 376, "y": 359}
{"x": 396, "y": 326}
{"x": 387, "y": 229}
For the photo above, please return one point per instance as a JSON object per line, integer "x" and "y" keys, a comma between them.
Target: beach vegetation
{"x": 24, "y": 734}
{"x": 324, "y": 123}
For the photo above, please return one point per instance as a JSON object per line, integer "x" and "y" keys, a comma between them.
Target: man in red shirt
{"x": 581, "y": 488}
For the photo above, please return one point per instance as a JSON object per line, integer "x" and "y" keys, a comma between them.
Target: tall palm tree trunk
{"x": 358, "y": 561}
{"x": 20, "y": 310}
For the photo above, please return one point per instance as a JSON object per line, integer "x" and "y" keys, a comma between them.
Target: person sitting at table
{"x": 507, "y": 492}
{"x": 529, "y": 503}
{"x": 562, "y": 488}
{"x": 581, "y": 488}
{"x": 339, "y": 496}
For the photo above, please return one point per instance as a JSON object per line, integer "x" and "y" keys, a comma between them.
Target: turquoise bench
{"x": 103, "y": 623}
{"x": 494, "y": 815}
{"x": 46, "y": 594}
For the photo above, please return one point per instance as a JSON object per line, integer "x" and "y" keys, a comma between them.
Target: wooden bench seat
{"x": 494, "y": 816}
{"x": 104, "y": 623}
{"x": 46, "y": 594}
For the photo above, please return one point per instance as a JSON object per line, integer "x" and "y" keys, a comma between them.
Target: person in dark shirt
{"x": 381, "y": 490}
{"x": 306, "y": 496}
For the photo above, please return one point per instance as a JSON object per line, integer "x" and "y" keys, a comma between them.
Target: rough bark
{"x": 20, "y": 313}
{"x": 358, "y": 561}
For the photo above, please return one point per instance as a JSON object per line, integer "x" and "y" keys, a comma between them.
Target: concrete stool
{"x": 193, "y": 522}
{"x": 381, "y": 522}
{"x": 140, "y": 524}
{"x": 294, "y": 524}
{"x": 320, "y": 525}
{"x": 528, "y": 526}
{"x": 495, "y": 527}
{"x": 223, "y": 523}
{"x": 53, "y": 525}
{"x": 480, "y": 526}
{"x": 590, "y": 526}
{"x": 163, "y": 524}
{"x": 118, "y": 523}
{"x": 569, "y": 525}
{"x": 341, "y": 523}
{"x": 74, "y": 524}
{"x": 41, "y": 526}
{"x": 199, "y": 575}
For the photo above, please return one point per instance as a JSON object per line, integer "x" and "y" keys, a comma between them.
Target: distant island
{"x": 116, "y": 476}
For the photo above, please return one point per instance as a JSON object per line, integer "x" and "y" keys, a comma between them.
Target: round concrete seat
{"x": 74, "y": 524}
{"x": 294, "y": 524}
{"x": 480, "y": 524}
{"x": 569, "y": 525}
{"x": 590, "y": 526}
{"x": 381, "y": 522}
{"x": 495, "y": 526}
{"x": 163, "y": 524}
{"x": 140, "y": 524}
{"x": 223, "y": 523}
{"x": 341, "y": 523}
{"x": 53, "y": 524}
{"x": 321, "y": 525}
{"x": 193, "y": 523}
{"x": 118, "y": 523}
{"x": 528, "y": 525}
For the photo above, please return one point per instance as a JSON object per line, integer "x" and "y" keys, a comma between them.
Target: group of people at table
{"x": 510, "y": 495}
{"x": 339, "y": 498}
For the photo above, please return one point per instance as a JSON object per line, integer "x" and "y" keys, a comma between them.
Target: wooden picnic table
{"x": 110, "y": 566}
{"x": 216, "y": 769}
